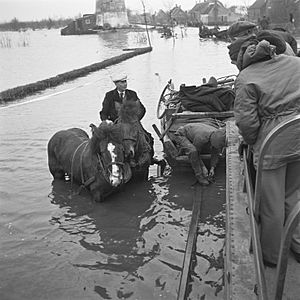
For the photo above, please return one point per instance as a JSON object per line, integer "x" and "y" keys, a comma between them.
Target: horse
{"x": 96, "y": 163}
{"x": 138, "y": 144}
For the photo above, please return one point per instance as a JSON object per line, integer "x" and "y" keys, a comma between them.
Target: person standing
{"x": 114, "y": 99}
{"x": 264, "y": 23}
{"x": 268, "y": 93}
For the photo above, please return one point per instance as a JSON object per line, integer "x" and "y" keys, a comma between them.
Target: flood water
{"x": 59, "y": 245}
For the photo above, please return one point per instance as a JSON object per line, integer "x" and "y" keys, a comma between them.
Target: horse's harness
{"x": 100, "y": 167}
{"x": 136, "y": 141}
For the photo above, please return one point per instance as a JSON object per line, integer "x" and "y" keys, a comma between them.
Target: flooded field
{"x": 59, "y": 245}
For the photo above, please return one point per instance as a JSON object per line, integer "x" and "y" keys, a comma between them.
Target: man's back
{"x": 276, "y": 81}
{"x": 267, "y": 93}
{"x": 198, "y": 134}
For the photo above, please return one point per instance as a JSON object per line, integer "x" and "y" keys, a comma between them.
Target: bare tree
{"x": 144, "y": 11}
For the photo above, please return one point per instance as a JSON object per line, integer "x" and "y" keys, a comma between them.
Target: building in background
{"x": 111, "y": 14}
{"x": 210, "y": 12}
{"x": 178, "y": 16}
{"x": 281, "y": 13}
{"x": 257, "y": 10}
{"x": 285, "y": 14}
{"x": 84, "y": 25}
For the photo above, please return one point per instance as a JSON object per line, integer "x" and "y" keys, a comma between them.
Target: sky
{"x": 34, "y": 10}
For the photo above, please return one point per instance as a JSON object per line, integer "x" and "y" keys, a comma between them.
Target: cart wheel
{"x": 161, "y": 107}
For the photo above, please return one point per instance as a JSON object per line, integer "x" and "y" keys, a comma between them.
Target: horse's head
{"x": 129, "y": 120}
{"x": 107, "y": 144}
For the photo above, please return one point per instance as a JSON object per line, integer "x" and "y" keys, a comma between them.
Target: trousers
{"x": 280, "y": 193}
{"x": 189, "y": 149}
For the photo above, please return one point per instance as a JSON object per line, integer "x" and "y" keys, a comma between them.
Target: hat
{"x": 274, "y": 39}
{"x": 239, "y": 27}
{"x": 118, "y": 77}
{"x": 218, "y": 138}
{"x": 234, "y": 47}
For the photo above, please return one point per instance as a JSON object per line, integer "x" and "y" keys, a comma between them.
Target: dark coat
{"x": 112, "y": 101}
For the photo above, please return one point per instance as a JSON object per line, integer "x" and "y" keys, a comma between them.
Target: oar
{"x": 190, "y": 246}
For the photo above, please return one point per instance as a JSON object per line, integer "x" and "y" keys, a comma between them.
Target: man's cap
{"x": 239, "y": 27}
{"x": 274, "y": 39}
{"x": 118, "y": 77}
{"x": 234, "y": 47}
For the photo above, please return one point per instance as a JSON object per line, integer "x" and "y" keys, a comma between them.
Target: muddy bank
{"x": 29, "y": 89}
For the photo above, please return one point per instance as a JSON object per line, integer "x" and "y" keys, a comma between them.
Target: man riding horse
{"x": 113, "y": 101}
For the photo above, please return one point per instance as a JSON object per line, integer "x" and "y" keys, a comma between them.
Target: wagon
{"x": 210, "y": 103}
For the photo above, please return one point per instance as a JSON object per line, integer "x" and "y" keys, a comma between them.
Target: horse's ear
{"x": 93, "y": 128}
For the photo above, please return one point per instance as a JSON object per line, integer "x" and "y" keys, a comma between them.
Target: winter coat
{"x": 267, "y": 93}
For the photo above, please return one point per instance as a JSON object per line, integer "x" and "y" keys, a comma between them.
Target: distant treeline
{"x": 16, "y": 25}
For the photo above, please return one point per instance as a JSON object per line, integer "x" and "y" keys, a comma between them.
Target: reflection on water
{"x": 135, "y": 242}
{"x": 132, "y": 245}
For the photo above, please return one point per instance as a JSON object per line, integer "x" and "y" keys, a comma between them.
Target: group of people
{"x": 193, "y": 139}
{"x": 267, "y": 93}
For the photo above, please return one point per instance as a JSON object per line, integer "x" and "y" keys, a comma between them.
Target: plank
{"x": 190, "y": 246}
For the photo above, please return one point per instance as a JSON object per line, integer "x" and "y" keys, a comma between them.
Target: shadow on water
{"x": 115, "y": 221}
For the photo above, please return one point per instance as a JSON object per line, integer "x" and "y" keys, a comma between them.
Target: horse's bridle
{"x": 101, "y": 167}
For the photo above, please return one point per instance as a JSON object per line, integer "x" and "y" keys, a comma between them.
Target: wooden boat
{"x": 221, "y": 35}
{"x": 172, "y": 115}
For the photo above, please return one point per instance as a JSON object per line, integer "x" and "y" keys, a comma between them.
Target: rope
{"x": 72, "y": 162}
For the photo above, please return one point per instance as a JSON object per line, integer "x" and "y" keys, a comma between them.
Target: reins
{"x": 72, "y": 163}
{"x": 102, "y": 168}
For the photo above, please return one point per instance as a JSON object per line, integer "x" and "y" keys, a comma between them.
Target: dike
{"x": 32, "y": 88}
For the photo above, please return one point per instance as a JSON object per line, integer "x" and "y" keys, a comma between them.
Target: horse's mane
{"x": 129, "y": 111}
{"x": 106, "y": 132}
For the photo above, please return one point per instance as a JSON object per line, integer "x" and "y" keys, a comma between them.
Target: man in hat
{"x": 198, "y": 138}
{"x": 245, "y": 29}
{"x": 112, "y": 103}
{"x": 241, "y": 29}
{"x": 268, "y": 93}
{"x": 114, "y": 99}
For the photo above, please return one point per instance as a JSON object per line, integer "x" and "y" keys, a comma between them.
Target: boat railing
{"x": 170, "y": 97}
{"x": 254, "y": 197}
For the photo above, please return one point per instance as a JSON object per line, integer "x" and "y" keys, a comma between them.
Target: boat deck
{"x": 239, "y": 265}
{"x": 240, "y": 278}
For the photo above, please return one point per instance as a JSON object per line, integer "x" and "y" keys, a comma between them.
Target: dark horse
{"x": 96, "y": 163}
{"x": 138, "y": 144}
